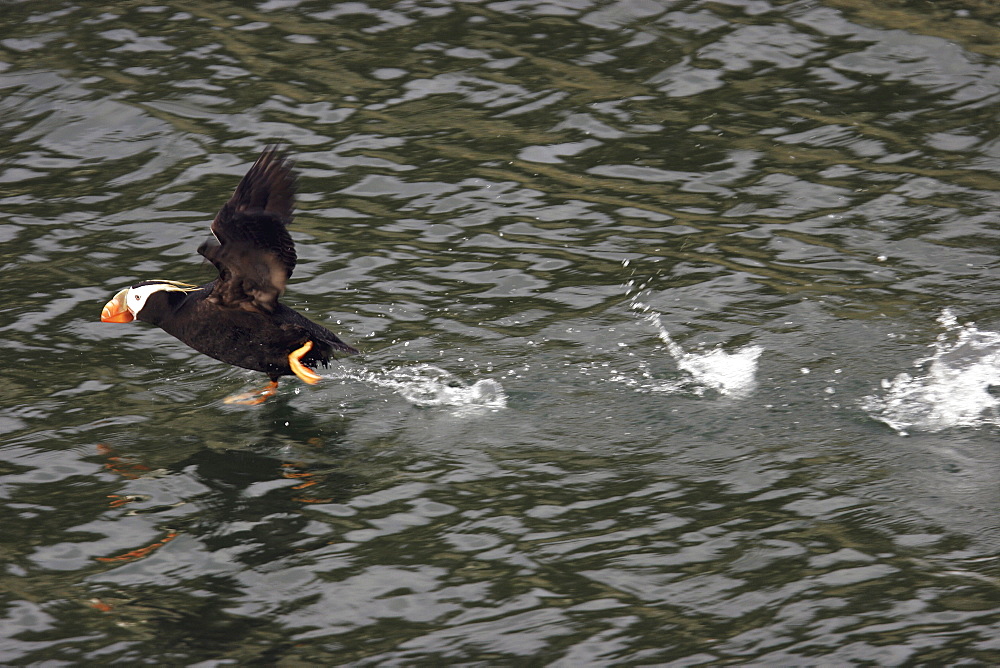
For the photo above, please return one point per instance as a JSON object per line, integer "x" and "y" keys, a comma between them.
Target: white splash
{"x": 953, "y": 389}
{"x": 731, "y": 374}
{"x": 428, "y": 385}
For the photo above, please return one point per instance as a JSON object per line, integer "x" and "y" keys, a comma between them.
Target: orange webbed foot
{"x": 305, "y": 374}
{"x": 255, "y": 397}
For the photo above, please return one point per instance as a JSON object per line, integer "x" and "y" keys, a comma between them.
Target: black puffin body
{"x": 237, "y": 318}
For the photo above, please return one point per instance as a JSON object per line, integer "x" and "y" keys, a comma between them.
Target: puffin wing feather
{"x": 252, "y": 249}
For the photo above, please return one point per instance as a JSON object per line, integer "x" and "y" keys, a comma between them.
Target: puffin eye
{"x": 136, "y": 297}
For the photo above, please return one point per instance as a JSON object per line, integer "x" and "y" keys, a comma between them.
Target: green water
{"x": 636, "y": 286}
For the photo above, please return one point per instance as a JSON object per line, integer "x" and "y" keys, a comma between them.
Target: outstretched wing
{"x": 252, "y": 249}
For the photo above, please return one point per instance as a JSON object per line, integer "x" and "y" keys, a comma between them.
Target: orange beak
{"x": 116, "y": 311}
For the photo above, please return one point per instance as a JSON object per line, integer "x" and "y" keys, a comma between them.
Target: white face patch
{"x": 137, "y": 297}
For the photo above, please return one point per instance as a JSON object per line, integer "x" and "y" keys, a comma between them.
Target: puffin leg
{"x": 255, "y": 397}
{"x": 305, "y": 374}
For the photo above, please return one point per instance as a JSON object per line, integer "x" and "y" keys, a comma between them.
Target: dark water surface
{"x": 680, "y": 328}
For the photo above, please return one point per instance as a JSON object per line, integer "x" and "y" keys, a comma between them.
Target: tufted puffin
{"x": 237, "y": 318}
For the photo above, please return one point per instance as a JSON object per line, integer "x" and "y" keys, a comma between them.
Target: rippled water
{"x": 679, "y": 330}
